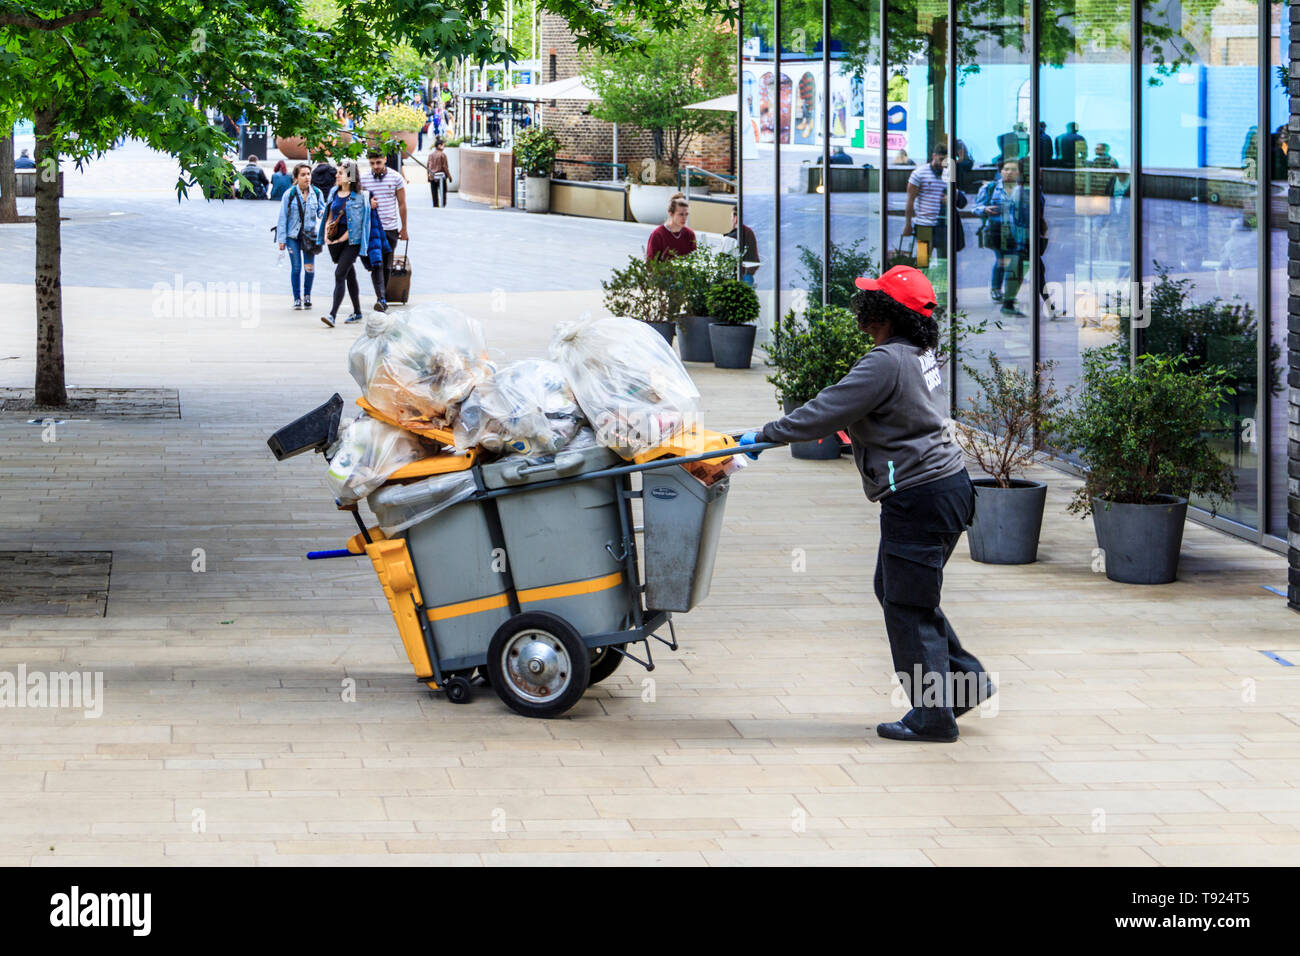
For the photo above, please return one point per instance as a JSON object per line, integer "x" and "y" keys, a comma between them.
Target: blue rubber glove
{"x": 750, "y": 438}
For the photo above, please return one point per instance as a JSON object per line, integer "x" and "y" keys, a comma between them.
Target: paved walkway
{"x": 1134, "y": 726}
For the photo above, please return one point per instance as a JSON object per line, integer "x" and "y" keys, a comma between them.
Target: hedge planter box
{"x": 733, "y": 345}
{"x": 824, "y": 449}
{"x": 1007, "y": 521}
{"x": 1141, "y": 543}
{"x": 695, "y": 343}
{"x": 666, "y": 329}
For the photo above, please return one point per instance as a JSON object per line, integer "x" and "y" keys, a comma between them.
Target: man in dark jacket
{"x": 905, "y": 452}
{"x": 257, "y": 176}
{"x": 323, "y": 176}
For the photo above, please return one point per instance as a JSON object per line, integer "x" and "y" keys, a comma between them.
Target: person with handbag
{"x": 300, "y": 210}
{"x": 994, "y": 209}
{"x": 910, "y": 464}
{"x": 439, "y": 170}
{"x": 345, "y": 232}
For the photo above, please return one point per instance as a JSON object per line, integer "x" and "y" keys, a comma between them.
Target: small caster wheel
{"x": 457, "y": 690}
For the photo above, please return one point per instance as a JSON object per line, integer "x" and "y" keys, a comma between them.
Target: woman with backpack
{"x": 300, "y": 211}
{"x": 345, "y": 232}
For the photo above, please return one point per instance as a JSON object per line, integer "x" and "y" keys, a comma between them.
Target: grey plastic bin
{"x": 553, "y": 536}
{"x": 683, "y": 519}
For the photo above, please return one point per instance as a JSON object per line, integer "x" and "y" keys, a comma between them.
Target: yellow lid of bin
{"x": 443, "y": 464}
{"x": 442, "y": 436}
{"x": 691, "y": 440}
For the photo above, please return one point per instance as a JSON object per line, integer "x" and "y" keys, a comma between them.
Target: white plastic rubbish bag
{"x": 628, "y": 381}
{"x": 418, "y": 367}
{"x": 368, "y": 452}
{"x": 399, "y": 507}
{"x": 524, "y": 408}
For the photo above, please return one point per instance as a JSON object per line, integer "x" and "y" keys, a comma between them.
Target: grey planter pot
{"x": 733, "y": 345}
{"x": 666, "y": 329}
{"x": 695, "y": 344}
{"x": 1141, "y": 543}
{"x": 824, "y": 449}
{"x": 537, "y": 194}
{"x": 1007, "y": 521}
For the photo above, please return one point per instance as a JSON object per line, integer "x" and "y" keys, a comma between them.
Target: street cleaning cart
{"x": 531, "y": 581}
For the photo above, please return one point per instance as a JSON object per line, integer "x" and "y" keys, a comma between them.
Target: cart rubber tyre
{"x": 538, "y": 664}
{"x": 604, "y": 661}
{"x": 458, "y": 691}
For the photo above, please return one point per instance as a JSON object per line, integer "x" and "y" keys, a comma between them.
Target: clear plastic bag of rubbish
{"x": 417, "y": 367}
{"x": 628, "y": 382}
{"x": 399, "y": 507}
{"x": 367, "y": 453}
{"x": 525, "y": 408}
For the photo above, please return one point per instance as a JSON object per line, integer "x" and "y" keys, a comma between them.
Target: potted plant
{"x": 648, "y": 290}
{"x": 1144, "y": 435}
{"x": 392, "y": 124}
{"x": 1010, "y": 420}
{"x": 733, "y": 305}
{"x": 700, "y": 271}
{"x": 808, "y": 354}
{"x": 535, "y": 150}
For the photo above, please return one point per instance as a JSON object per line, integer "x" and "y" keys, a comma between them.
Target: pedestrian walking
{"x": 296, "y": 229}
{"x": 673, "y": 238}
{"x": 439, "y": 170}
{"x": 378, "y": 249}
{"x": 911, "y": 465}
{"x": 256, "y": 176}
{"x": 323, "y": 176}
{"x": 345, "y": 232}
{"x": 387, "y": 191}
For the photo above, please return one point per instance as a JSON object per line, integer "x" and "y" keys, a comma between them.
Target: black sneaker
{"x": 297, "y": 304}
{"x": 328, "y": 320}
{"x": 381, "y": 305}
{"x": 354, "y": 317}
{"x": 306, "y": 302}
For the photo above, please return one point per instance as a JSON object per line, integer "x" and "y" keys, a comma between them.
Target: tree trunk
{"x": 50, "y": 388}
{"x": 8, "y": 181}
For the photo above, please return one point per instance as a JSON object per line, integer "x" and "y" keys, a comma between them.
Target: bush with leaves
{"x": 732, "y": 302}
{"x": 535, "y": 150}
{"x": 1144, "y": 431}
{"x": 701, "y": 271}
{"x": 394, "y": 118}
{"x": 845, "y": 264}
{"x": 649, "y": 290}
{"x": 1012, "y": 418}
{"x": 813, "y": 351}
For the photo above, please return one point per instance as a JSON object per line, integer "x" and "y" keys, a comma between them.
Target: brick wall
{"x": 1293, "y": 325}
{"x": 585, "y": 138}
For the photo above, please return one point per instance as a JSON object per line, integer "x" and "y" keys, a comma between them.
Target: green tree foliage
{"x": 648, "y": 290}
{"x": 651, "y": 82}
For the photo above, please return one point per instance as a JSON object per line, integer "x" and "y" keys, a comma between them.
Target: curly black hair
{"x": 872, "y": 305}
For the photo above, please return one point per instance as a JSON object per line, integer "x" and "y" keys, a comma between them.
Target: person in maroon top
{"x": 673, "y": 238}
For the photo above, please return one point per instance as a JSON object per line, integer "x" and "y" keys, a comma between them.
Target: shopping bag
{"x": 901, "y": 257}
{"x": 399, "y": 277}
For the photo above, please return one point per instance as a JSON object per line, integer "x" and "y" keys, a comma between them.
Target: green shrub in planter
{"x": 701, "y": 271}
{"x": 812, "y": 352}
{"x": 1012, "y": 417}
{"x": 535, "y": 150}
{"x": 648, "y": 290}
{"x": 732, "y": 302}
{"x": 1144, "y": 435}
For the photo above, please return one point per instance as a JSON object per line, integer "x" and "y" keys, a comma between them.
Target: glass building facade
{"x": 1116, "y": 170}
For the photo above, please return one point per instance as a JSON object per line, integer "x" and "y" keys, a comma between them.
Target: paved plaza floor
{"x": 1134, "y": 726}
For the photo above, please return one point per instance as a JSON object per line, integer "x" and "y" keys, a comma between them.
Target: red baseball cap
{"x": 907, "y": 286}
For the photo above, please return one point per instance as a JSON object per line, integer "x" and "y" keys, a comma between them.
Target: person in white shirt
{"x": 387, "y": 191}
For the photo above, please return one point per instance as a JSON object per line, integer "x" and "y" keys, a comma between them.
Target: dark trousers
{"x": 378, "y": 280}
{"x": 388, "y": 256}
{"x": 344, "y": 255}
{"x": 438, "y": 186}
{"x": 919, "y": 527}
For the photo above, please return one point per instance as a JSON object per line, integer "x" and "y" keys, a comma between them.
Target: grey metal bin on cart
{"x": 683, "y": 519}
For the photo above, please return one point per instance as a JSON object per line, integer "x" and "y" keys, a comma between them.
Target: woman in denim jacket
{"x": 300, "y": 213}
{"x": 345, "y": 232}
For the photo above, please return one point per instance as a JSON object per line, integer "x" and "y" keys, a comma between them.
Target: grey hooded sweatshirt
{"x": 887, "y": 406}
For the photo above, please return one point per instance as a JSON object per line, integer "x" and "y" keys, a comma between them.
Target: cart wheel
{"x": 457, "y": 689}
{"x": 538, "y": 664}
{"x": 481, "y": 672}
{"x": 604, "y": 661}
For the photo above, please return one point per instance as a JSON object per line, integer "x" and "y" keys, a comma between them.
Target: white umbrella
{"x": 726, "y": 104}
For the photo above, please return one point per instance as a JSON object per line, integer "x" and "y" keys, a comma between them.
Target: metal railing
{"x": 620, "y": 169}
{"x": 723, "y": 177}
